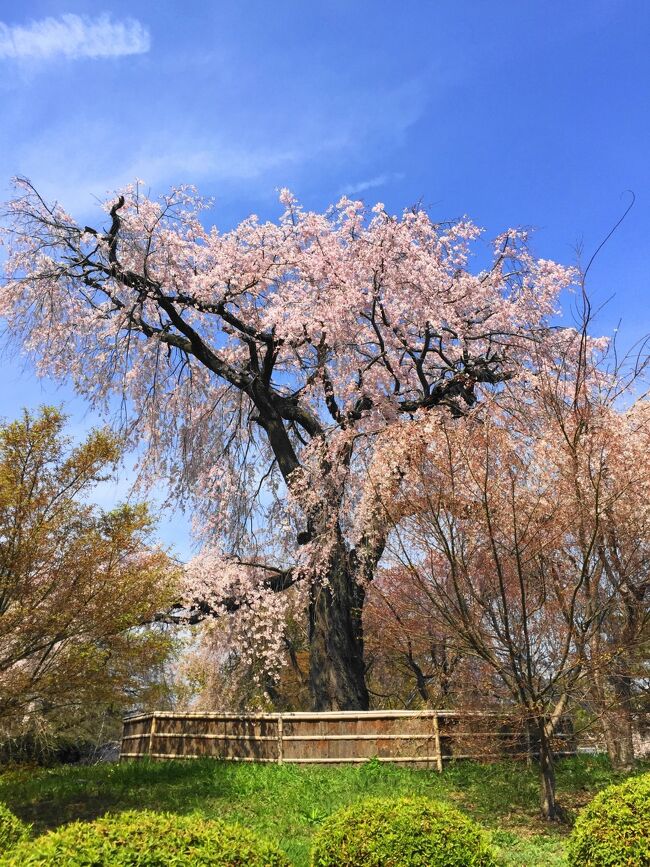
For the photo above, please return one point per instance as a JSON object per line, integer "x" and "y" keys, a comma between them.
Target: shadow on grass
{"x": 50, "y": 797}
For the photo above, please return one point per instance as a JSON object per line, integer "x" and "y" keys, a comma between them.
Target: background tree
{"x": 76, "y": 582}
{"x": 524, "y": 526}
{"x": 413, "y": 659}
{"x": 260, "y": 367}
{"x": 603, "y": 483}
{"x": 476, "y": 546}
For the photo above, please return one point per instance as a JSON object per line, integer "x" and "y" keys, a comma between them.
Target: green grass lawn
{"x": 287, "y": 803}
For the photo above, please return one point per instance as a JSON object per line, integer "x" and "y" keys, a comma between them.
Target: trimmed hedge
{"x": 12, "y": 830}
{"x": 614, "y": 829}
{"x": 408, "y": 832}
{"x": 148, "y": 839}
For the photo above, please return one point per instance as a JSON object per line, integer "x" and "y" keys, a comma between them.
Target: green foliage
{"x": 76, "y": 585}
{"x": 148, "y": 840}
{"x": 287, "y": 803}
{"x": 409, "y": 832}
{"x": 614, "y": 829}
{"x": 545, "y": 849}
{"x": 12, "y": 830}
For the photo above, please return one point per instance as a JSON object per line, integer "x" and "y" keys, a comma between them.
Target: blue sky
{"x": 534, "y": 113}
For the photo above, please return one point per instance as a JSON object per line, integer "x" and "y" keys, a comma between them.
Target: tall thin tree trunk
{"x": 612, "y": 697}
{"x": 336, "y": 667}
{"x": 549, "y": 805}
{"x": 618, "y": 724}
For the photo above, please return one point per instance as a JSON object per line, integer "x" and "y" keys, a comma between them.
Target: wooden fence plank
{"x": 152, "y": 732}
{"x": 436, "y": 733}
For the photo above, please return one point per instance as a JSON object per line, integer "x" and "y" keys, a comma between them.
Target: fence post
{"x": 280, "y": 744}
{"x": 436, "y": 735}
{"x": 152, "y": 732}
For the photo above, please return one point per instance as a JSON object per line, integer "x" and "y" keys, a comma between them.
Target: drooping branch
{"x": 192, "y": 612}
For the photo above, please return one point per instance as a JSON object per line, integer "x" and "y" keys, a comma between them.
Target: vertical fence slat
{"x": 152, "y": 732}
{"x": 436, "y": 736}
{"x": 280, "y": 741}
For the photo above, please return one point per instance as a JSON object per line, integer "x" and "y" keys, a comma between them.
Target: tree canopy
{"x": 262, "y": 366}
{"x": 78, "y": 585}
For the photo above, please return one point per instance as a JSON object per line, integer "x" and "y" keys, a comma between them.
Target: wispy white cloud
{"x": 80, "y": 162}
{"x": 78, "y": 158}
{"x": 73, "y": 36}
{"x": 370, "y": 183}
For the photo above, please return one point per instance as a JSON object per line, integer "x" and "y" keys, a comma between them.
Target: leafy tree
{"x": 76, "y": 582}
{"x": 262, "y": 364}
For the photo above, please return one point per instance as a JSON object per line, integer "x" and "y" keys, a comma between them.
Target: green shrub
{"x": 148, "y": 839}
{"x": 614, "y": 829}
{"x": 409, "y": 832}
{"x": 12, "y": 830}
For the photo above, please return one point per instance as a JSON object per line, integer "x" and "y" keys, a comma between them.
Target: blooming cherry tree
{"x": 261, "y": 367}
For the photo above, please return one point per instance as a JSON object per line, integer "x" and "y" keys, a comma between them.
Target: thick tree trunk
{"x": 336, "y": 667}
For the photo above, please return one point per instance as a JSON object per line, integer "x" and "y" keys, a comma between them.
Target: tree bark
{"x": 550, "y": 808}
{"x": 612, "y": 697}
{"x": 336, "y": 666}
{"x": 618, "y": 725}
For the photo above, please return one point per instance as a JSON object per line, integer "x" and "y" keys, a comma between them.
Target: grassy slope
{"x": 287, "y": 803}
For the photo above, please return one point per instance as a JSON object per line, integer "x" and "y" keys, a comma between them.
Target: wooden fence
{"x": 424, "y": 738}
